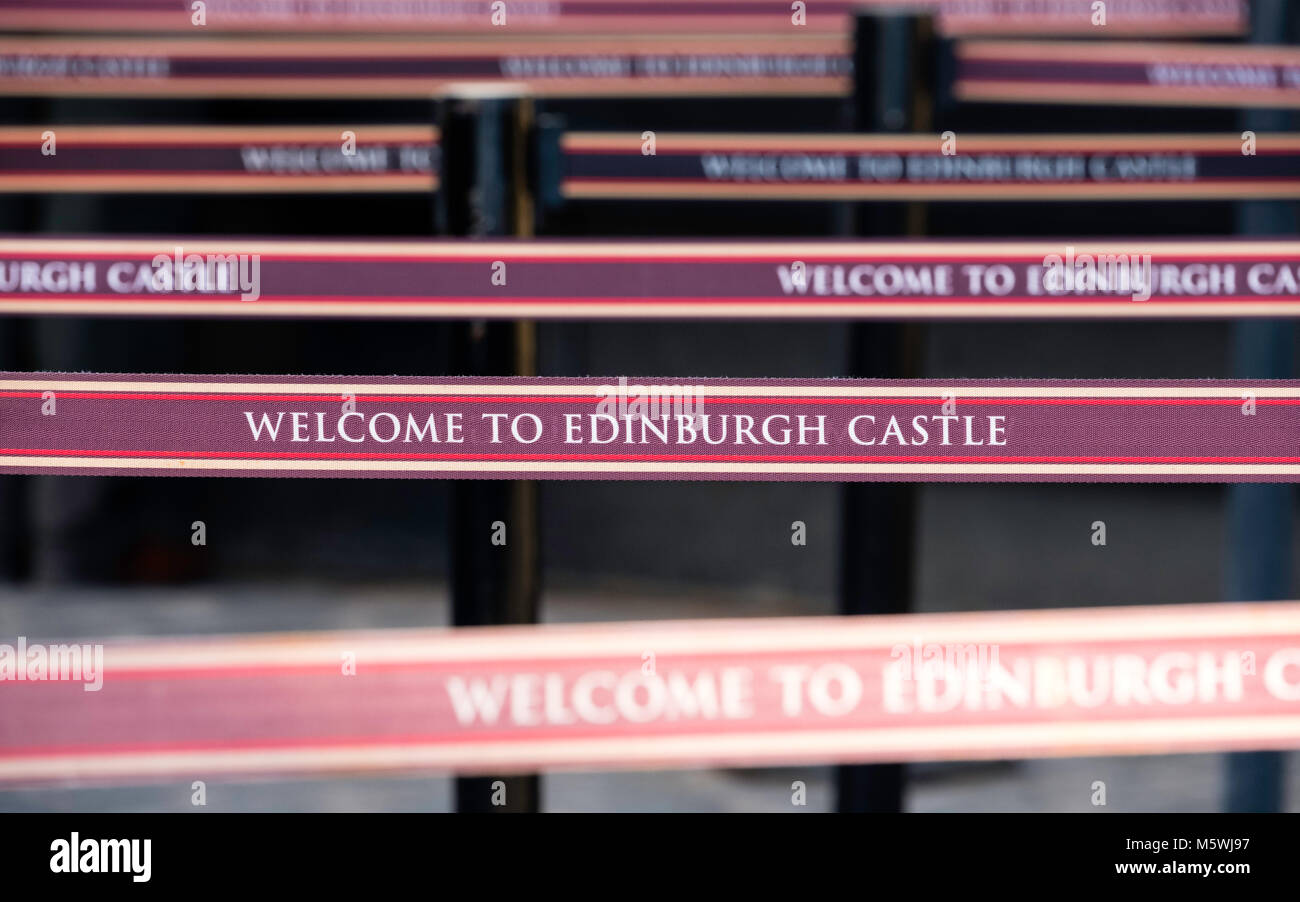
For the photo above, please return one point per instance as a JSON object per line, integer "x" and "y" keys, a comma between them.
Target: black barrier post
{"x": 1260, "y": 516}
{"x": 878, "y": 520}
{"x": 15, "y": 514}
{"x": 16, "y": 519}
{"x": 494, "y": 526}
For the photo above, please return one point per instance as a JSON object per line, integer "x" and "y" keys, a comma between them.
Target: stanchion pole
{"x": 1260, "y": 516}
{"x": 878, "y": 520}
{"x": 15, "y": 513}
{"x": 495, "y": 568}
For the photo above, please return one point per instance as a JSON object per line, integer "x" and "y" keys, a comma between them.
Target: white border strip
{"x": 1277, "y": 621}
{"x": 783, "y": 309}
{"x": 1054, "y": 739}
{"x": 738, "y": 251}
{"x": 702, "y": 387}
{"x": 651, "y": 467}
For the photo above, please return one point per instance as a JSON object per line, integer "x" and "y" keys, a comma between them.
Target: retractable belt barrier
{"x": 1127, "y": 73}
{"x": 831, "y": 167}
{"x": 1013, "y": 684}
{"x": 1173, "y": 17}
{"x": 842, "y": 430}
{"x": 339, "y": 68}
{"x": 1069, "y": 72}
{"x": 586, "y": 280}
{"x": 681, "y": 166}
{"x": 216, "y": 158}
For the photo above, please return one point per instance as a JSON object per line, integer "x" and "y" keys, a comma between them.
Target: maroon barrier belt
{"x": 586, "y": 280}
{"x": 1174, "y": 17}
{"x": 1009, "y": 684}
{"x": 653, "y": 429}
{"x": 214, "y": 158}
{"x": 547, "y": 66}
{"x": 741, "y": 167}
{"x": 1127, "y": 73}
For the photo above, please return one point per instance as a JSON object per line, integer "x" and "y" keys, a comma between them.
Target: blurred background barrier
{"x": 1118, "y": 74}
{"x": 245, "y": 67}
{"x": 184, "y": 159}
{"x": 587, "y": 281}
{"x": 656, "y": 694}
{"x": 1140, "y": 17}
{"x": 1027, "y": 167}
